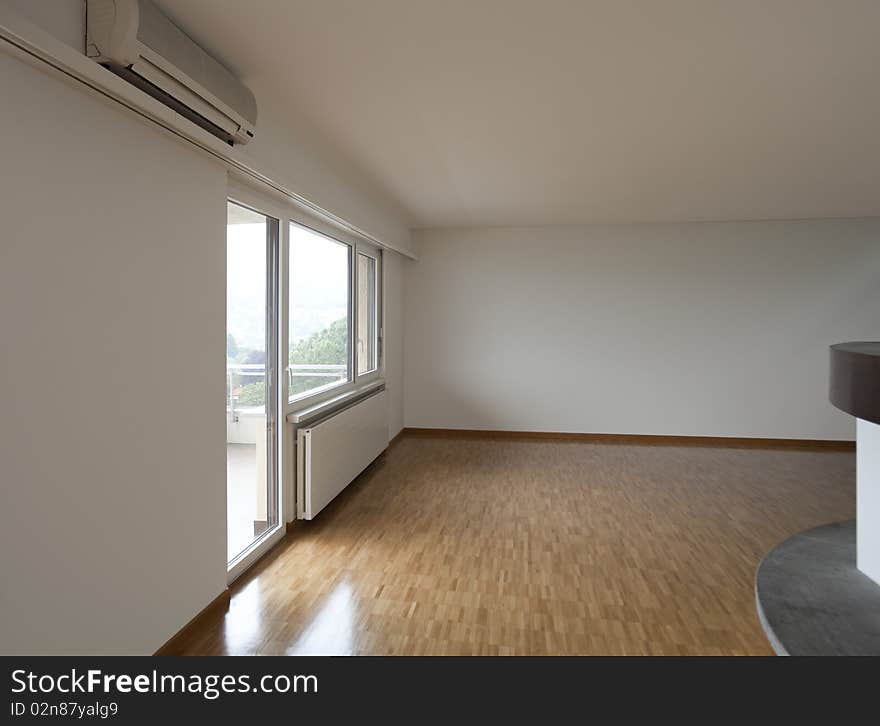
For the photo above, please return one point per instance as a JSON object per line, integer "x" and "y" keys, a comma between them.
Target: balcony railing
{"x": 239, "y": 374}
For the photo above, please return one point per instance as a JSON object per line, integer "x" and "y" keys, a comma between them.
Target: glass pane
{"x": 366, "y": 314}
{"x": 319, "y": 327}
{"x": 251, "y": 504}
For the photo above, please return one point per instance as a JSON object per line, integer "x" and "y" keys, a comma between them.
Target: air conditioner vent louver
{"x": 135, "y": 40}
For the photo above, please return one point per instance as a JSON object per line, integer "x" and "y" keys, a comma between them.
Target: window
{"x": 367, "y": 339}
{"x": 319, "y": 356}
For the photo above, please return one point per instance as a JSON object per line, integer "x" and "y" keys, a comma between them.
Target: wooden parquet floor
{"x": 447, "y": 546}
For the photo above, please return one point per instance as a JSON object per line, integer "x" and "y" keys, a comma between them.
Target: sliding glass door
{"x": 252, "y": 398}
{"x": 303, "y": 325}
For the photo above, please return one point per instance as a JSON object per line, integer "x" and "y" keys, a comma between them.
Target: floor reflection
{"x": 243, "y": 625}
{"x": 332, "y": 630}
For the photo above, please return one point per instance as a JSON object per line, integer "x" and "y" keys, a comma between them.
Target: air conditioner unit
{"x": 137, "y": 42}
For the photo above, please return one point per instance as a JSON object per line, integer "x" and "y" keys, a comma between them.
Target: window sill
{"x": 304, "y": 415}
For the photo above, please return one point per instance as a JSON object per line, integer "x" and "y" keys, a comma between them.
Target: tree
{"x": 326, "y": 347}
{"x": 231, "y": 347}
{"x": 252, "y": 394}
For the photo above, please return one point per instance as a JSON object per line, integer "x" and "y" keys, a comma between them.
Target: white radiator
{"x": 330, "y": 454}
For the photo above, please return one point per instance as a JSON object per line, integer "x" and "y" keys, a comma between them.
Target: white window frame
{"x": 355, "y": 383}
{"x": 331, "y": 390}
{"x": 282, "y": 208}
{"x": 279, "y": 206}
{"x": 375, "y": 254}
{"x": 266, "y": 204}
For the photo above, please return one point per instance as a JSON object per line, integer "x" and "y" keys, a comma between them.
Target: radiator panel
{"x": 333, "y": 452}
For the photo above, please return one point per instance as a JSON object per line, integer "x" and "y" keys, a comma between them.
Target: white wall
{"x": 393, "y": 265}
{"x": 312, "y": 168}
{"x": 112, "y": 264}
{"x": 112, "y": 311}
{"x": 680, "y": 329}
{"x": 61, "y": 18}
{"x": 285, "y": 144}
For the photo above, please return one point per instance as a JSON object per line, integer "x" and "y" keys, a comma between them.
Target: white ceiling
{"x": 510, "y": 112}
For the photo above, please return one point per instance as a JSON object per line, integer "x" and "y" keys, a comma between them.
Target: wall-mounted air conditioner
{"x": 137, "y": 42}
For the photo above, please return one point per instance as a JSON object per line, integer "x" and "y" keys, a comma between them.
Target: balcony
{"x": 246, "y": 451}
